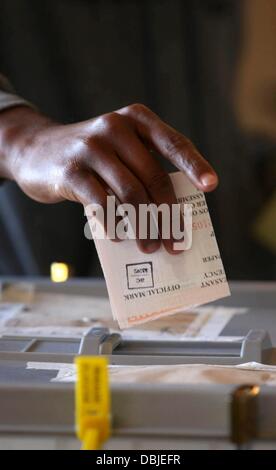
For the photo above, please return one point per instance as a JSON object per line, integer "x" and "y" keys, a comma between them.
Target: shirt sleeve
{"x": 8, "y": 96}
{"x": 9, "y": 99}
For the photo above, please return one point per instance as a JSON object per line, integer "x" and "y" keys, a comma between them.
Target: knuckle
{"x": 194, "y": 165}
{"x": 109, "y": 122}
{"x": 138, "y": 108}
{"x": 91, "y": 144}
{"x": 176, "y": 144}
{"x": 69, "y": 192}
{"x": 182, "y": 151}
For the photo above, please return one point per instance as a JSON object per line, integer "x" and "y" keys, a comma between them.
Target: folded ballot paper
{"x": 143, "y": 287}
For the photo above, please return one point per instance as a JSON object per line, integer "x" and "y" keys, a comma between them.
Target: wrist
{"x": 18, "y": 128}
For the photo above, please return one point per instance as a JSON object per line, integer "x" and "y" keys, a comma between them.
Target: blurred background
{"x": 208, "y": 67}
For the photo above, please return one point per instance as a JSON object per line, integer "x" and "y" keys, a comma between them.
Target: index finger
{"x": 172, "y": 145}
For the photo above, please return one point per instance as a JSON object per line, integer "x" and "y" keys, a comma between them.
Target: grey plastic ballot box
{"x": 32, "y": 405}
{"x": 36, "y": 406}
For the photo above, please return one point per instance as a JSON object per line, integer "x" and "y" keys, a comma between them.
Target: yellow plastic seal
{"x": 92, "y": 401}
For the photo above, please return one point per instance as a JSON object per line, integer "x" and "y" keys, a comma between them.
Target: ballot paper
{"x": 144, "y": 287}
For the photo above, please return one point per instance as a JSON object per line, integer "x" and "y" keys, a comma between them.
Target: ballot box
{"x": 169, "y": 391}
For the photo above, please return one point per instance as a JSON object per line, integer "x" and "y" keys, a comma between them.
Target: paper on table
{"x": 73, "y": 315}
{"x": 190, "y": 374}
{"x": 170, "y": 283}
{"x": 8, "y": 311}
{"x": 251, "y": 372}
{"x": 63, "y": 315}
{"x": 54, "y": 314}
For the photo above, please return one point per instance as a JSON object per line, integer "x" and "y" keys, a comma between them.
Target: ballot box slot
{"x": 156, "y": 348}
{"x": 255, "y": 346}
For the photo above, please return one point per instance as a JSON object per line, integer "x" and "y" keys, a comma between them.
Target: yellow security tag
{"x": 91, "y": 440}
{"x": 92, "y": 401}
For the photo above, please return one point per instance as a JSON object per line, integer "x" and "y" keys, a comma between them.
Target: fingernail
{"x": 150, "y": 246}
{"x": 173, "y": 247}
{"x": 208, "y": 179}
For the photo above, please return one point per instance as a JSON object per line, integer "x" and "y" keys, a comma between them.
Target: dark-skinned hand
{"x": 81, "y": 162}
